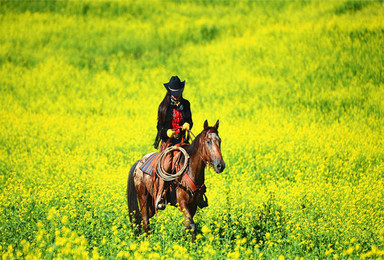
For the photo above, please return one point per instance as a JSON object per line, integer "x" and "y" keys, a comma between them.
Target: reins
{"x": 208, "y": 163}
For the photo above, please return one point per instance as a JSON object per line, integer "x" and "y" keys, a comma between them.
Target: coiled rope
{"x": 160, "y": 169}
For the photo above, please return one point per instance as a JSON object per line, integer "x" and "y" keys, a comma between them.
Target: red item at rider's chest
{"x": 177, "y": 120}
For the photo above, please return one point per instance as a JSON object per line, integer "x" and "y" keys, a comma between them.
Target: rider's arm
{"x": 187, "y": 115}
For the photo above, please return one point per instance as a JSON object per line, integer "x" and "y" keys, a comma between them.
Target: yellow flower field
{"x": 298, "y": 87}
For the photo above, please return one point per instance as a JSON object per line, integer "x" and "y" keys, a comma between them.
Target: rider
{"x": 174, "y": 114}
{"x": 173, "y": 119}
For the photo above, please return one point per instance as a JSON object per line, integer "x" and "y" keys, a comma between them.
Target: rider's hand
{"x": 171, "y": 133}
{"x": 186, "y": 126}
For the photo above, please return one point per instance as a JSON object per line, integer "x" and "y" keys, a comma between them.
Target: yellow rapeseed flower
{"x": 205, "y": 230}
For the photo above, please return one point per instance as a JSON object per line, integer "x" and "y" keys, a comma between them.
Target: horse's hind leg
{"x": 144, "y": 206}
{"x": 144, "y": 200}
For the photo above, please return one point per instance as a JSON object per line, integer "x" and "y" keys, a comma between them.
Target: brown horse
{"x": 204, "y": 150}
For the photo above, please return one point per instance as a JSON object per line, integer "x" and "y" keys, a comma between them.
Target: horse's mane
{"x": 191, "y": 147}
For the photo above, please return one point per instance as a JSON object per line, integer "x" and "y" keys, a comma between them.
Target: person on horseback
{"x": 174, "y": 115}
{"x": 174, "y": 118}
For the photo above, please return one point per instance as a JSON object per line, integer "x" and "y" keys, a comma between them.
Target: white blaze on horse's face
{"x": 213, "y": 144}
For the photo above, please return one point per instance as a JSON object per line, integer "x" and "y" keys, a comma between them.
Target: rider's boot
{"x": 161, "y": 202}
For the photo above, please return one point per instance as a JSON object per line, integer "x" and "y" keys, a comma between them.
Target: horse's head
{"x": 211, "y": 146}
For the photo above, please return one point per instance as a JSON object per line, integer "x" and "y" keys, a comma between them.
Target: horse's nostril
{"x": 220, "y": 167}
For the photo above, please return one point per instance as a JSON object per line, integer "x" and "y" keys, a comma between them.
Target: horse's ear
{"x": 205, "y": 125}
{"x": 216, "y": 125}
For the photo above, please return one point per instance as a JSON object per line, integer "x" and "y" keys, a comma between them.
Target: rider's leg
{"x": 167, "y": 165}
{"x": 160, "y": 202}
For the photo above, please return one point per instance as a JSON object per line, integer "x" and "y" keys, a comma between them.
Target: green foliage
{"x": 298, "y": 89}
{"x": 351, "y": 6}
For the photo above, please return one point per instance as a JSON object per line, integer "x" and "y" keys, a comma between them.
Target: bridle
{"x": 205, "y": 161}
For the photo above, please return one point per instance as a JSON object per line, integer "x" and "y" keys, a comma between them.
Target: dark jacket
{"x": 162, "y": 129}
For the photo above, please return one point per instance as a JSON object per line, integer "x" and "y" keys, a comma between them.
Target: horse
{"x": 204, "y": 150}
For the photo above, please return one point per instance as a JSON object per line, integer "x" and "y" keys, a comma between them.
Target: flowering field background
{"x": 297, "y": 85}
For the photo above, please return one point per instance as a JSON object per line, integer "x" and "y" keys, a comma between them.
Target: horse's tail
{"x": 133, "y": 206}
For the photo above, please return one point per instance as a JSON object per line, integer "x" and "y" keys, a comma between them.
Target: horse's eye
{"x": 209, "y": 142}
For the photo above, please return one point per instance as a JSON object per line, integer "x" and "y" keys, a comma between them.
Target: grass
{"x": 298, "y": 89}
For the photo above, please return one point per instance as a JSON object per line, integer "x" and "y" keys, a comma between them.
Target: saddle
{"x": 150, "y": 163}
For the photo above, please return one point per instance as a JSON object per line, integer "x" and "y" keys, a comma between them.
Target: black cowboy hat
{"x": 175, "y": 87}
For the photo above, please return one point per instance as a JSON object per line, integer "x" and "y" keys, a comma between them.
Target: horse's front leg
{"x": 188, "y": 216}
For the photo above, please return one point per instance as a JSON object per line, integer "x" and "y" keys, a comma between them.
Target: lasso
{"x": 160, "y": 169}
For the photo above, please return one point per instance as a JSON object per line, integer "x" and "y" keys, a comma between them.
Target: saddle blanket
{"x": 150, "y": 163}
